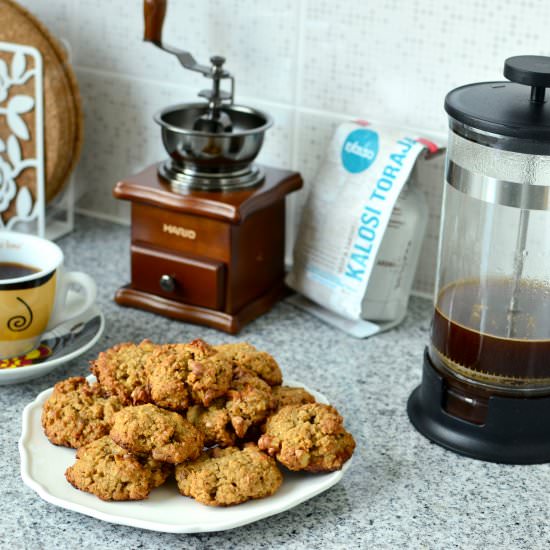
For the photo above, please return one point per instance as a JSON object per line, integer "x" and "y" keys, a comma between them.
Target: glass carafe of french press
{"x": 485, "y": 390}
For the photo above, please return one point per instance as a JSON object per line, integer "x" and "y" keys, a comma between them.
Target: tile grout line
{"x": 302, "y": 6}
{"x": 101, "y": 216}
{"x": 296, "y": 106}
{"x": 128, "y": 76}
{"x": 71, "y": 39}
{"x": 292, "y": 211}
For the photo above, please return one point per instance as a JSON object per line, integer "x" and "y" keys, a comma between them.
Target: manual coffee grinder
{"x": 208, "y": 225}
{"x": 485, "y": 388}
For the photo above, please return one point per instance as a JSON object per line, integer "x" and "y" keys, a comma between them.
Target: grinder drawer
{"x": 188, "y": 279}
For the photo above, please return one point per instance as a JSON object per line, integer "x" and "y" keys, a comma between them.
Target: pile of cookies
{"x": 216, "y": 415}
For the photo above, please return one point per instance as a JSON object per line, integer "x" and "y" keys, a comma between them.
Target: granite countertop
{"x": 401, "y": 491}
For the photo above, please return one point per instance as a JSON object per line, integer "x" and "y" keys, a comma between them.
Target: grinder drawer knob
{"x": 167, "y": 283}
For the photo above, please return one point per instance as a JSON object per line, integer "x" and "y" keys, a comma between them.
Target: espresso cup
{"x": 36, "y": 300}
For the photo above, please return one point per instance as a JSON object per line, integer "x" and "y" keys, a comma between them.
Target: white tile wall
{"x": 310, "y": 63}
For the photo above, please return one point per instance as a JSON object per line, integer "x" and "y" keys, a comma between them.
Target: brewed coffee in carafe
{"x": 491, "y": 324}
{"x": 475, "y": 337}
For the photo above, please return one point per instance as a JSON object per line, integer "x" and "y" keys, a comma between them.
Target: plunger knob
{"x": 531, "y": 70}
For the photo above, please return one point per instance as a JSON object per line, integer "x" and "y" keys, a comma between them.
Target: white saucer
{"x": 43, "y": 468}
{"x": 63, "y": 343}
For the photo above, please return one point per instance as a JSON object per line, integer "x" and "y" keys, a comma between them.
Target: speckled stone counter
{"x": 401, "y": 492}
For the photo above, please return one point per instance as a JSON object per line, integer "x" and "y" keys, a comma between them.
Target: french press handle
{"x": 531, "y": 70}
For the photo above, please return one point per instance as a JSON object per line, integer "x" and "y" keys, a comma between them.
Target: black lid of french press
{"x": 509, "y": 108}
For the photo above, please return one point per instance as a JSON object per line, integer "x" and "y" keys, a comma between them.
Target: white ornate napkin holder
{"x": 22, "y": 206}
{"x": 29, "y": 215}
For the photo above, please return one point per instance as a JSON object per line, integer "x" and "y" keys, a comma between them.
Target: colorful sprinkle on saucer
{"x": 33, "y": 357}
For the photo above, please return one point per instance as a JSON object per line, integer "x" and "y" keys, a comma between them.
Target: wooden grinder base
{"x": 214, "y": 258}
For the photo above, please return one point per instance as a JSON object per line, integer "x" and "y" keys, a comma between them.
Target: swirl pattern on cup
{"x": 19, "y": 323}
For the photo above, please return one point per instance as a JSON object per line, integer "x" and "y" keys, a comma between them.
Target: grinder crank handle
{"x": 153, "y": 14}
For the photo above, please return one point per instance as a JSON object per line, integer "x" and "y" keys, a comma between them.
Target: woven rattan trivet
{"x": 62, "y": 108}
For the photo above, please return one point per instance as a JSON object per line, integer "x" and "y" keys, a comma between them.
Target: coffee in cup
{"x": 33, "y": 291}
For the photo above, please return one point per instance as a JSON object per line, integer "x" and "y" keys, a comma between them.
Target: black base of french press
{"x": 514, "y": 431}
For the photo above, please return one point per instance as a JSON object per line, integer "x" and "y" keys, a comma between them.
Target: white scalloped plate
{"x": 43, "y": 467}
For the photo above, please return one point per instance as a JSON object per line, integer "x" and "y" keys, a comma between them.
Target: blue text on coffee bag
{"x": 359, "y": 150}
{"x": 368, "y": 231}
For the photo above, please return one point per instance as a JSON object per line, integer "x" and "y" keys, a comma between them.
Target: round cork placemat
{"x": 63, "y": 119}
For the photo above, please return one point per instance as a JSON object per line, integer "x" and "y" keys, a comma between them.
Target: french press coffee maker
{"x": 485, "y": 388}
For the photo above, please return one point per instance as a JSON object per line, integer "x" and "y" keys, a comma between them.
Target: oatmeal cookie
{"x": 308, "y": 437}
{"x": 287, "y": 395}
{"x": 250, "y": 401}
{"x": 179, "y": 374}
{"x": 246, "y": 355}
{"x": 111, "y": 473}
{"x": 167, "y": 370}
{"x": 120, "y": 371}
{"x": 199, "y": 348}
{"x": 165, "y": 435}
{"x": 223, "y": 477}
{"x": 77, "y": 413}
{"x": 214, "y": 422}
{"x": 209, "y": 378}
